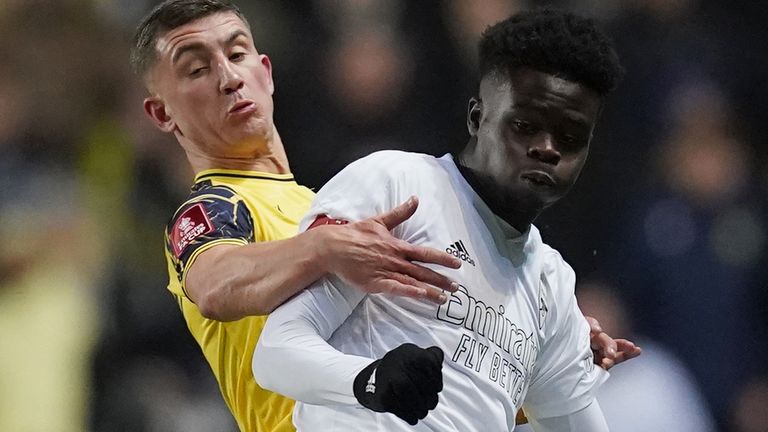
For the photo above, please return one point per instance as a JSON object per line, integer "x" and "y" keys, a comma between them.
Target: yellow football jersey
{"x": 234, "y": 207}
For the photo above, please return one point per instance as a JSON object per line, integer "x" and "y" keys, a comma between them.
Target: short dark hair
{"x": 554, "y": 42}
{"x": 167, "y": 16}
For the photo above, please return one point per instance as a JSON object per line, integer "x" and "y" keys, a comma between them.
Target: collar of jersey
{"x": 232, "y": 173}
{"x": 511, "y": 234}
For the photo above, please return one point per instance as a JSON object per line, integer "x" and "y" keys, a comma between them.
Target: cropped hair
{"x": 553, "y": 42}
{"x": 167, "y": 16}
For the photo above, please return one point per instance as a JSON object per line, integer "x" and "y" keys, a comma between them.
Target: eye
{"x": 197, "y": 71}
{"x": 524, "y": 127}
{"x": 569, "y": 141}
{"x": 237, "y": 56}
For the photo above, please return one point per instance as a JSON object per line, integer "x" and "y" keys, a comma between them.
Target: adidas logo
{"x": 458, "y": 250}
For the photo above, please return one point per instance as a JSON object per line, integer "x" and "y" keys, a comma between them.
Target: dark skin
{"x": 529, "y": 138}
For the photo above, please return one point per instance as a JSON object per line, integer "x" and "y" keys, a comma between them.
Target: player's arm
{"x": 587, "y": 419}
{"x": 565, "y": 379}
{"x": 230, "y": 281}
{"x": 607, "y": 352}
{"x": 293, "y": 358}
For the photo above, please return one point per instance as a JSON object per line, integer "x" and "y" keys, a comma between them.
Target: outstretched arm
{"x": 229, "y": 281}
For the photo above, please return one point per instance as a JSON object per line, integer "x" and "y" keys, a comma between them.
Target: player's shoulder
{"x": 209, "y": 198}
{"x": 395, "y": 161}
{"x": 554, "y": 268}
{"x": 211, "y": 212}
{"x": 206, "y": 188}
{"x": 206, "y": 191}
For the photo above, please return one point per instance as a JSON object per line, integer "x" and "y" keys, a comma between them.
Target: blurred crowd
{"x": 667, "y": 228}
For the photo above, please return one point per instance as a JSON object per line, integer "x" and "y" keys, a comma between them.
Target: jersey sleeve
{"x": 565, "y": 379}
{"x": 292, "y": 356}
{"x": 589, "y": 419}
{"x": 214, "y": 215}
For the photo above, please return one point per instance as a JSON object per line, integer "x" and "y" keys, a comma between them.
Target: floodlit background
{"x": 667, "y": 228}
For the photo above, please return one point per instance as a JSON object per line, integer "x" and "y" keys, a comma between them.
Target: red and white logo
{"x": 190, "y": 225}
{"x": 325, "y": 220}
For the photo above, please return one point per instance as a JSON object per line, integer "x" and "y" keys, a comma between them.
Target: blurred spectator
{"x": 687, "y": 255}
{"x": 48, "y": 310}
{"x": 750, "y": 414}
{"x": 468, "y": 19}
{"x": 655, "y": 393}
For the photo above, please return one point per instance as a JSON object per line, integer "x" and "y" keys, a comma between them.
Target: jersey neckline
{"x": 233, "y": 173}
{"x": 510, "y": 233}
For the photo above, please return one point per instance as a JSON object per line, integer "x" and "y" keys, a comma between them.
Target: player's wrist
{"x": 364, "y": 388}
{"x": 319, "y": 246}
{"x": 405, "y": 382}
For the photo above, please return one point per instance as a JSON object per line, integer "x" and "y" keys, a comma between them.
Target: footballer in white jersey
{"x": 512, "y": 335}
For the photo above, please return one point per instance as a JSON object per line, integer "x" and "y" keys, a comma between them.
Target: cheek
{"x": 197, "y": 104}
{"x": 571, "y": 170}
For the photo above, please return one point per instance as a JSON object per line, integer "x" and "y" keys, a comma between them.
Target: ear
{"x": 474, "y": 115}
{"x": 155, "y": 109}
{"x": 267, "y": 64}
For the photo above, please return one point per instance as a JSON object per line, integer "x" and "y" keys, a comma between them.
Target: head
{"x": 543, "y": 78}
{"x": 207, "y": 83}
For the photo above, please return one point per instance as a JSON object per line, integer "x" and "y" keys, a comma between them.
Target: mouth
{"x": 538, "y": 179}
{"x": 243, "y": 107}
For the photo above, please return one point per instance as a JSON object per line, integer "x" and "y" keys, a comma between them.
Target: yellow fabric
{"x": 276, "y": 204}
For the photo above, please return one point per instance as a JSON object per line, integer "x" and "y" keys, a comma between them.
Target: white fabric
{"x": 513, "y": 332}
{"x": 588, "y": 419}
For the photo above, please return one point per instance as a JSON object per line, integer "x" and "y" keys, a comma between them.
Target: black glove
{"x": 405, "y": 382}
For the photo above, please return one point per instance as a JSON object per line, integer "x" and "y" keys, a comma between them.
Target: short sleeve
{"x": 211, "y": 216}
{"x": 565, "y": 379}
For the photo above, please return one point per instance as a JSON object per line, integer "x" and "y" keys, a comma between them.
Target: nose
{"x": 229, "y": 80}
{"x": 544, "y": 150}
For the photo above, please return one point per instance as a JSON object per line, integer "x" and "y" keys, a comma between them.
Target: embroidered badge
{"x": 190, "y": 225}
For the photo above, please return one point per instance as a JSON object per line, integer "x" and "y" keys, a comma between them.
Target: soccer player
{"x": 512, "y": 335}
{"x": 231, "y": 248}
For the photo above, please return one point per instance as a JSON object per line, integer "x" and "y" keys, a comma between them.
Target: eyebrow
{"x": 571, "y": 115}
{"x": 198, "y": 46}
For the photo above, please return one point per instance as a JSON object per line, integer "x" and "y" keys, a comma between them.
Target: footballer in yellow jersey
{"x": 234, "y": 207}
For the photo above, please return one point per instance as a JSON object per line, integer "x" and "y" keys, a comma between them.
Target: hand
{"x": 607, "y": 351}
{"x": 405, "y": 382}
{"x": 364, "y": 254}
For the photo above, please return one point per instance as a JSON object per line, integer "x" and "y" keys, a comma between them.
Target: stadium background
{"x": 666, "y": 229}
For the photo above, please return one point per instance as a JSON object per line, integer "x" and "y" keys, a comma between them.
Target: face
{"x": 211, "y": 88}
{"x": 533, "y": 132}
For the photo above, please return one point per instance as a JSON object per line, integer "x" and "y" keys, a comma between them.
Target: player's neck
{"x": 493, "y": 196}
{"x": 272, "y": 159}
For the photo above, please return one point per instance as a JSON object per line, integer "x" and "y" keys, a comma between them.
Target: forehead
{"x": 530, "y": 88}
{"x": 212, "y": 28}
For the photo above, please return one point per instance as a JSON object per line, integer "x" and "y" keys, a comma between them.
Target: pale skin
{"x": 211, "y": 88}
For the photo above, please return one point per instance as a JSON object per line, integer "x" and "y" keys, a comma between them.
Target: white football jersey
{"x": 512, "y": 334}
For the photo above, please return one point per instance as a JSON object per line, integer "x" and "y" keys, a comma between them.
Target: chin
{"x": 257, "y": 131}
